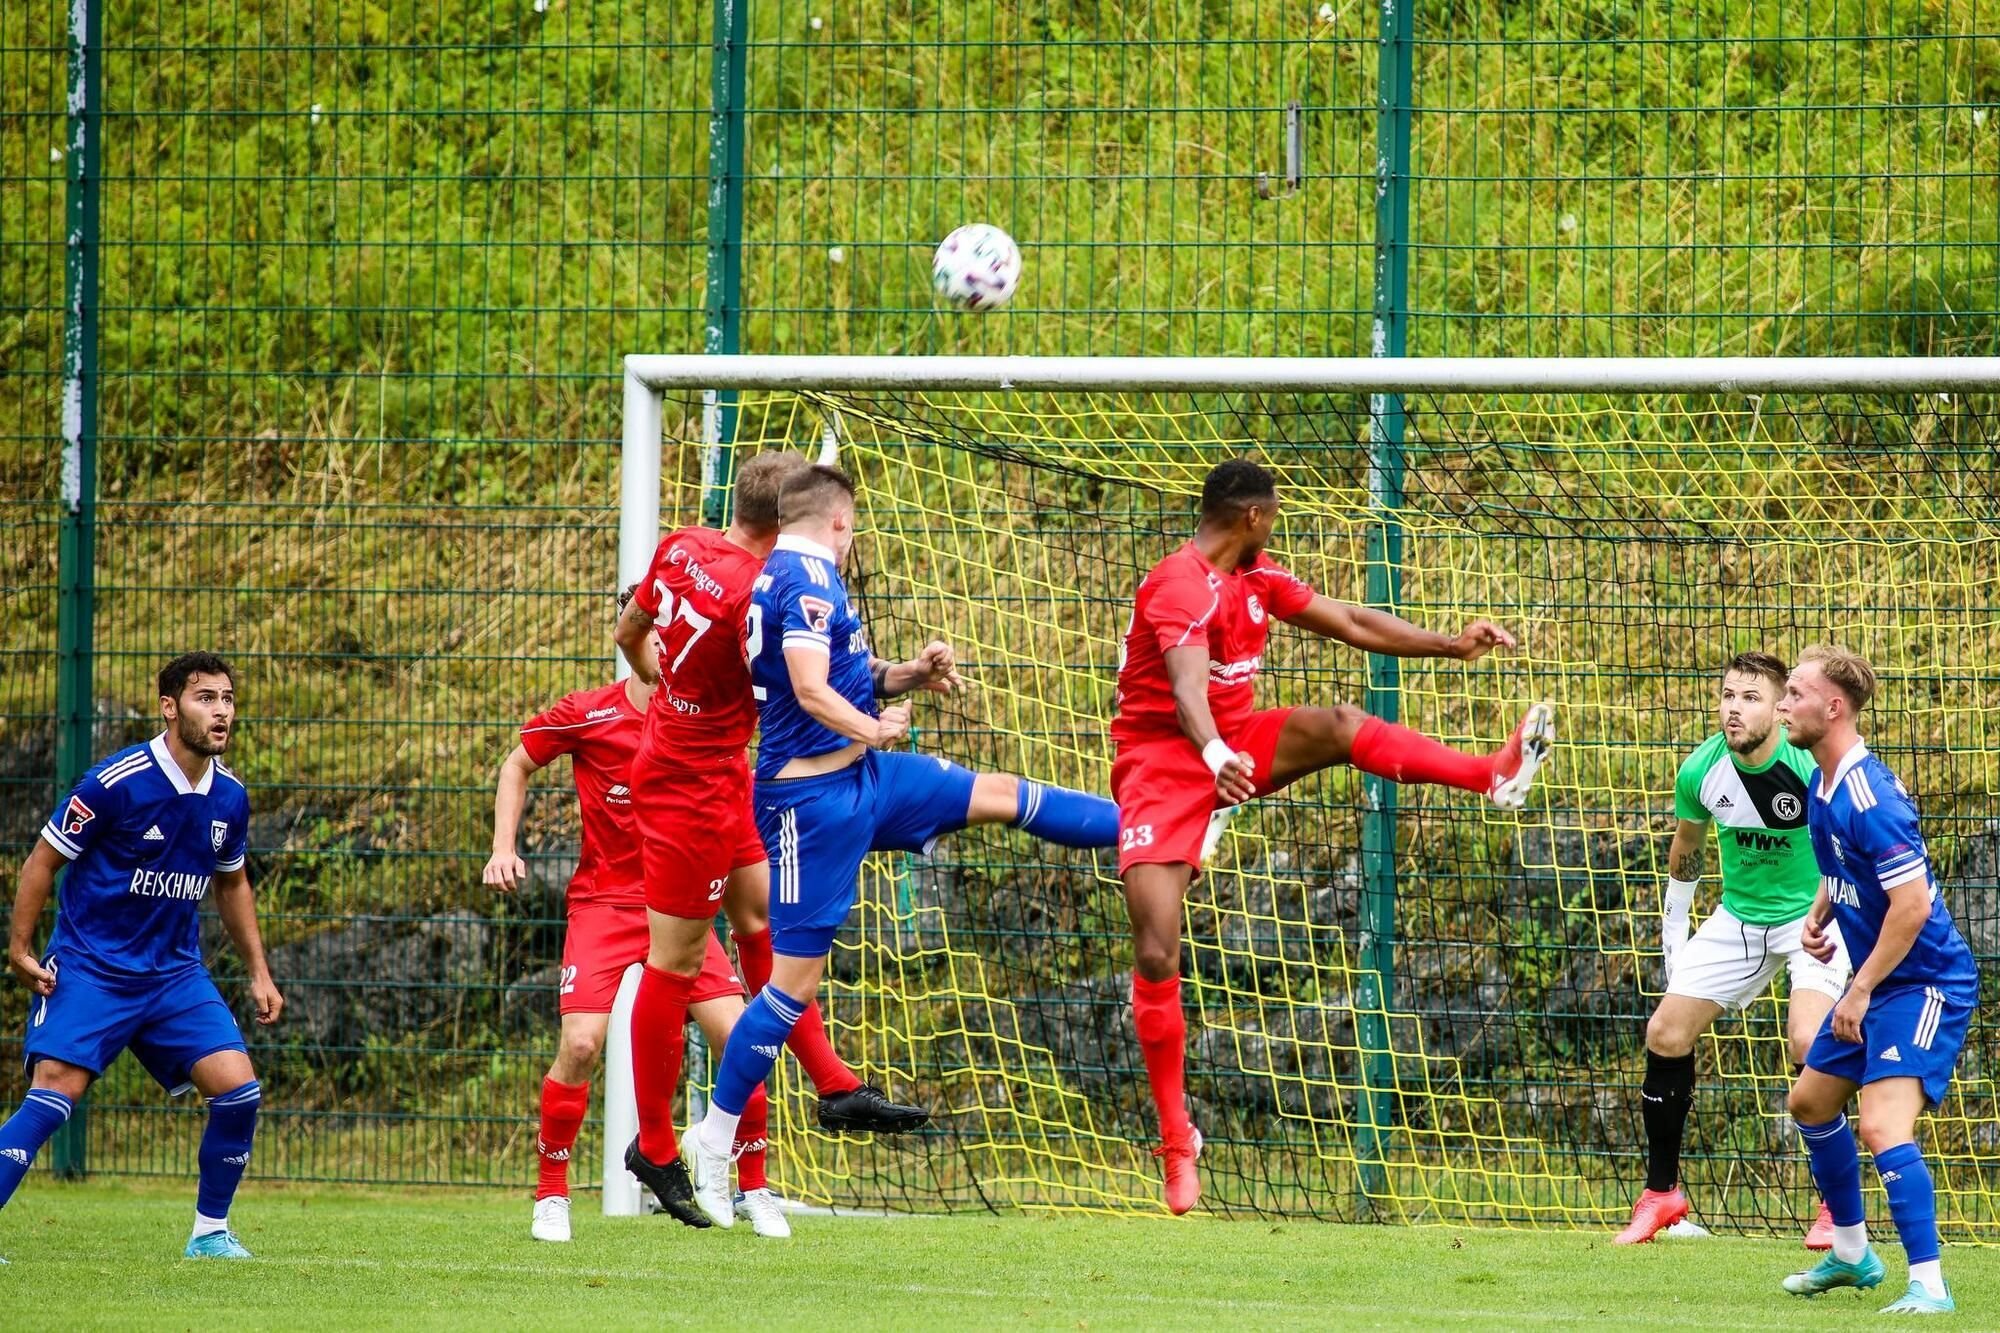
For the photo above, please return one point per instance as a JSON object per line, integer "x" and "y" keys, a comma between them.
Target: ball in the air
{"x": 977, "y": 267}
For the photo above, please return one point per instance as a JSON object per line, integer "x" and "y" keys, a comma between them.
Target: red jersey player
{"x": 599, "y": 729}
{"x": 691, "y": 788}
{"x": 1189, "y": 741}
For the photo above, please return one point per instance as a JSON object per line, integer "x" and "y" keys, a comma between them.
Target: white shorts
{"x": 1731, "y": 962}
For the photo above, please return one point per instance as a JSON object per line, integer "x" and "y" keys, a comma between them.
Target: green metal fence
{"x": 362, "y": 276}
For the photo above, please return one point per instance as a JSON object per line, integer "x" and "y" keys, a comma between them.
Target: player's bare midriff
{"x": 819, "y": 765}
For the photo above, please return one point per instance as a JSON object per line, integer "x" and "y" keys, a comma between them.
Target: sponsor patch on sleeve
{"x": 817, "y": 611}
{"x": 76, "y": 816}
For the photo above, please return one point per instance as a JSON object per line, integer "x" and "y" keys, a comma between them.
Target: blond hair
{"x": 1845, "y": 669}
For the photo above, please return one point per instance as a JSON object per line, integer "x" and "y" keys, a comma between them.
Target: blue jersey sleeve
{"x": 806, "y": 610}
{"x": 235, "y": 836}
{"x": 89, "y": 809}
{"x": 1886, "y": 834}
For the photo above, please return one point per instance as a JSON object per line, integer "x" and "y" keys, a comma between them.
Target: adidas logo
{"x": 153, "y": 834}
{"x": 768, "y": 1052}
{"x": 1893, "y": 1054}
{"x": 15, "y": 1155}
{"x": 1724, "y": 803}
{"x": 1890, "y": 1176}
{"x": 241, "y": 1159}
{"x": 555, "y": 1155}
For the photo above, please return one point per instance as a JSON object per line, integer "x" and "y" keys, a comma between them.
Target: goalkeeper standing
{"x": 1750, "y": 781}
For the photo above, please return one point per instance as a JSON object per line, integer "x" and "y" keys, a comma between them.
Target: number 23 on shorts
{"x": 1139, "y": 835}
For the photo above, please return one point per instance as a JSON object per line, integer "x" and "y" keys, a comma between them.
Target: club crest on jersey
{"x": 1785, "y": 805}
{"x": 218, "y": 833}
{"x": 817, "y": 611}
{"x": 76, "y": 816}
{"x": 1256, "y": 610}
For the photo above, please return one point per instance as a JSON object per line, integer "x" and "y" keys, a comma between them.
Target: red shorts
{"x": 694, "y": 831}
{"x": 604, "y": 939}
{"x": 1166, "y": 794}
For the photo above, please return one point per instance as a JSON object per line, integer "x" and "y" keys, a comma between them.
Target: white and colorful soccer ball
{"x": 977, "y": 267}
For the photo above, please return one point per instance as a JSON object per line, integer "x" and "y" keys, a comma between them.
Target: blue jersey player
{"x": 145, "y": 836}
{"x": 1896, "y": 1032}
{"x": 829, "y": 791}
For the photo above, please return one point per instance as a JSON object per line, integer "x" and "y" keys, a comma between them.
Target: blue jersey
{"x": 144, "y": 845}
{"x": 800, "y": 602}
{"x": 1866, "y": 839}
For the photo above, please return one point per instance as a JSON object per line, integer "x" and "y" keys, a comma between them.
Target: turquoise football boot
{"x": 1918, "y": 1301}
{"x": 1830, "y": 1273}
{"x": 216, "y": 1245}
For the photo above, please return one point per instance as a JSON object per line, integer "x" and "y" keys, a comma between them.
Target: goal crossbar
{"x": 1728, "y": 375}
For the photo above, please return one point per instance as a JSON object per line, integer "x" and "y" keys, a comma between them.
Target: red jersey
{"x": 1186, "y": 601}
{"x": 698, "y": 593}
{"x": 599, "y": 730}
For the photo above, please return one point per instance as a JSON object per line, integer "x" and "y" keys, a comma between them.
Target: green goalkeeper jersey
{"x": 1769, "y": 876}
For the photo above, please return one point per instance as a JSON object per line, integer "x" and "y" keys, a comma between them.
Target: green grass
{"x": 107, "y": 1256}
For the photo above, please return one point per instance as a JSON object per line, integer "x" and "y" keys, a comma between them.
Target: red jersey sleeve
{"x": 1181, "y": 607}
{"x": 550, "y": 735}
{"x": 651, "y": 588}
{"x": 1285, "y": 592}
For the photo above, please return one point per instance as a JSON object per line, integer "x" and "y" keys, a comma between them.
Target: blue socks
{"x": 1836, "y": 1169}
{"x": 1912, "y": 1200}
{"x": 43, "y": 1112}
{"x": 1067, "y": 818}
{"x": 225, "y": 1149}
{"x": 753, "y": 1048}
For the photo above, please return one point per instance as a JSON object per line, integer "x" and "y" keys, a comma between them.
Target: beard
{"x": 1750, "y": 740}
{"x": 195, "y": 736}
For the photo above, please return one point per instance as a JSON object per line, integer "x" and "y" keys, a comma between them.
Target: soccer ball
{"x": 977, "y": 267}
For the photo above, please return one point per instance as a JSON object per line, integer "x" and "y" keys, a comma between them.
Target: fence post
{"x": 1385, "y": 585}
{"x": 77, "y": 540}
{"x": 725, "y": 247}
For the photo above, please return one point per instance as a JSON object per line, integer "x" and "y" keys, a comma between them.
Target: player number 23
{"x": 1139, "y": 835}
{"x": 686, "y": 613}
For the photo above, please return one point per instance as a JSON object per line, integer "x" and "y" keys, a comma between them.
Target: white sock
{"x": 205, "y": 1226}
{"x": 1930, "y": 1274}
{"x": 1850, "y": 1243}
{"x": 718, "y": 1130}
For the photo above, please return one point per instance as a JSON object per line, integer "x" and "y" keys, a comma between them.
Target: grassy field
{"x": 106, "y": 1256}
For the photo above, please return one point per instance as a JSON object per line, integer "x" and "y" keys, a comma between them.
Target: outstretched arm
{"x": 236, "y": 904}
{"x": 505, "y": 870}
{"x": 1376, "y": 631}
{"x": 807, "y": 668}
{"x": 934, "y": 669}
{"x": 634, "y": 636}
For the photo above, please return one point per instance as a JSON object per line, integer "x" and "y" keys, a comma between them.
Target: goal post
{"x": 1402, "y": 1004}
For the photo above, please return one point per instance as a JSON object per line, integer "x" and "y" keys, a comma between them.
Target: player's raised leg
{"x": 1317, "y": 738}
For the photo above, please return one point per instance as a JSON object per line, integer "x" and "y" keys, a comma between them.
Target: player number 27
{"x": 684, "y": 612}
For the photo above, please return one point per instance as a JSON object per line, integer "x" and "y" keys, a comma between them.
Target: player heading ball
{"x": 145, "y": 836}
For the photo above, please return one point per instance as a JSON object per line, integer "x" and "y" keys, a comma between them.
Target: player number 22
{"x": 685, "y": 612}
{"x": 1139, "y": 835}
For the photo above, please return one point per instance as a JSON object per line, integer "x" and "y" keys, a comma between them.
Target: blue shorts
{"x": 169, "y": 1023}
{"x": 819, "y": 830}
{"x": 1910, "y": 1032}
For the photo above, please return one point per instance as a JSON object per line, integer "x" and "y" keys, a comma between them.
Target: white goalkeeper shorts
{"x": 1731, "y": 962}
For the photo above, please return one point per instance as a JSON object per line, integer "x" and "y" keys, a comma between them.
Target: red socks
{"x": 563, "y": 1107}
{"x": 752, "y": 1139}
{"x": 808, "y": 1042}
{"x": 1162, "y": 1028}
{"x": 1401, "y": 755}
{"x": 659, "y": 1014}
